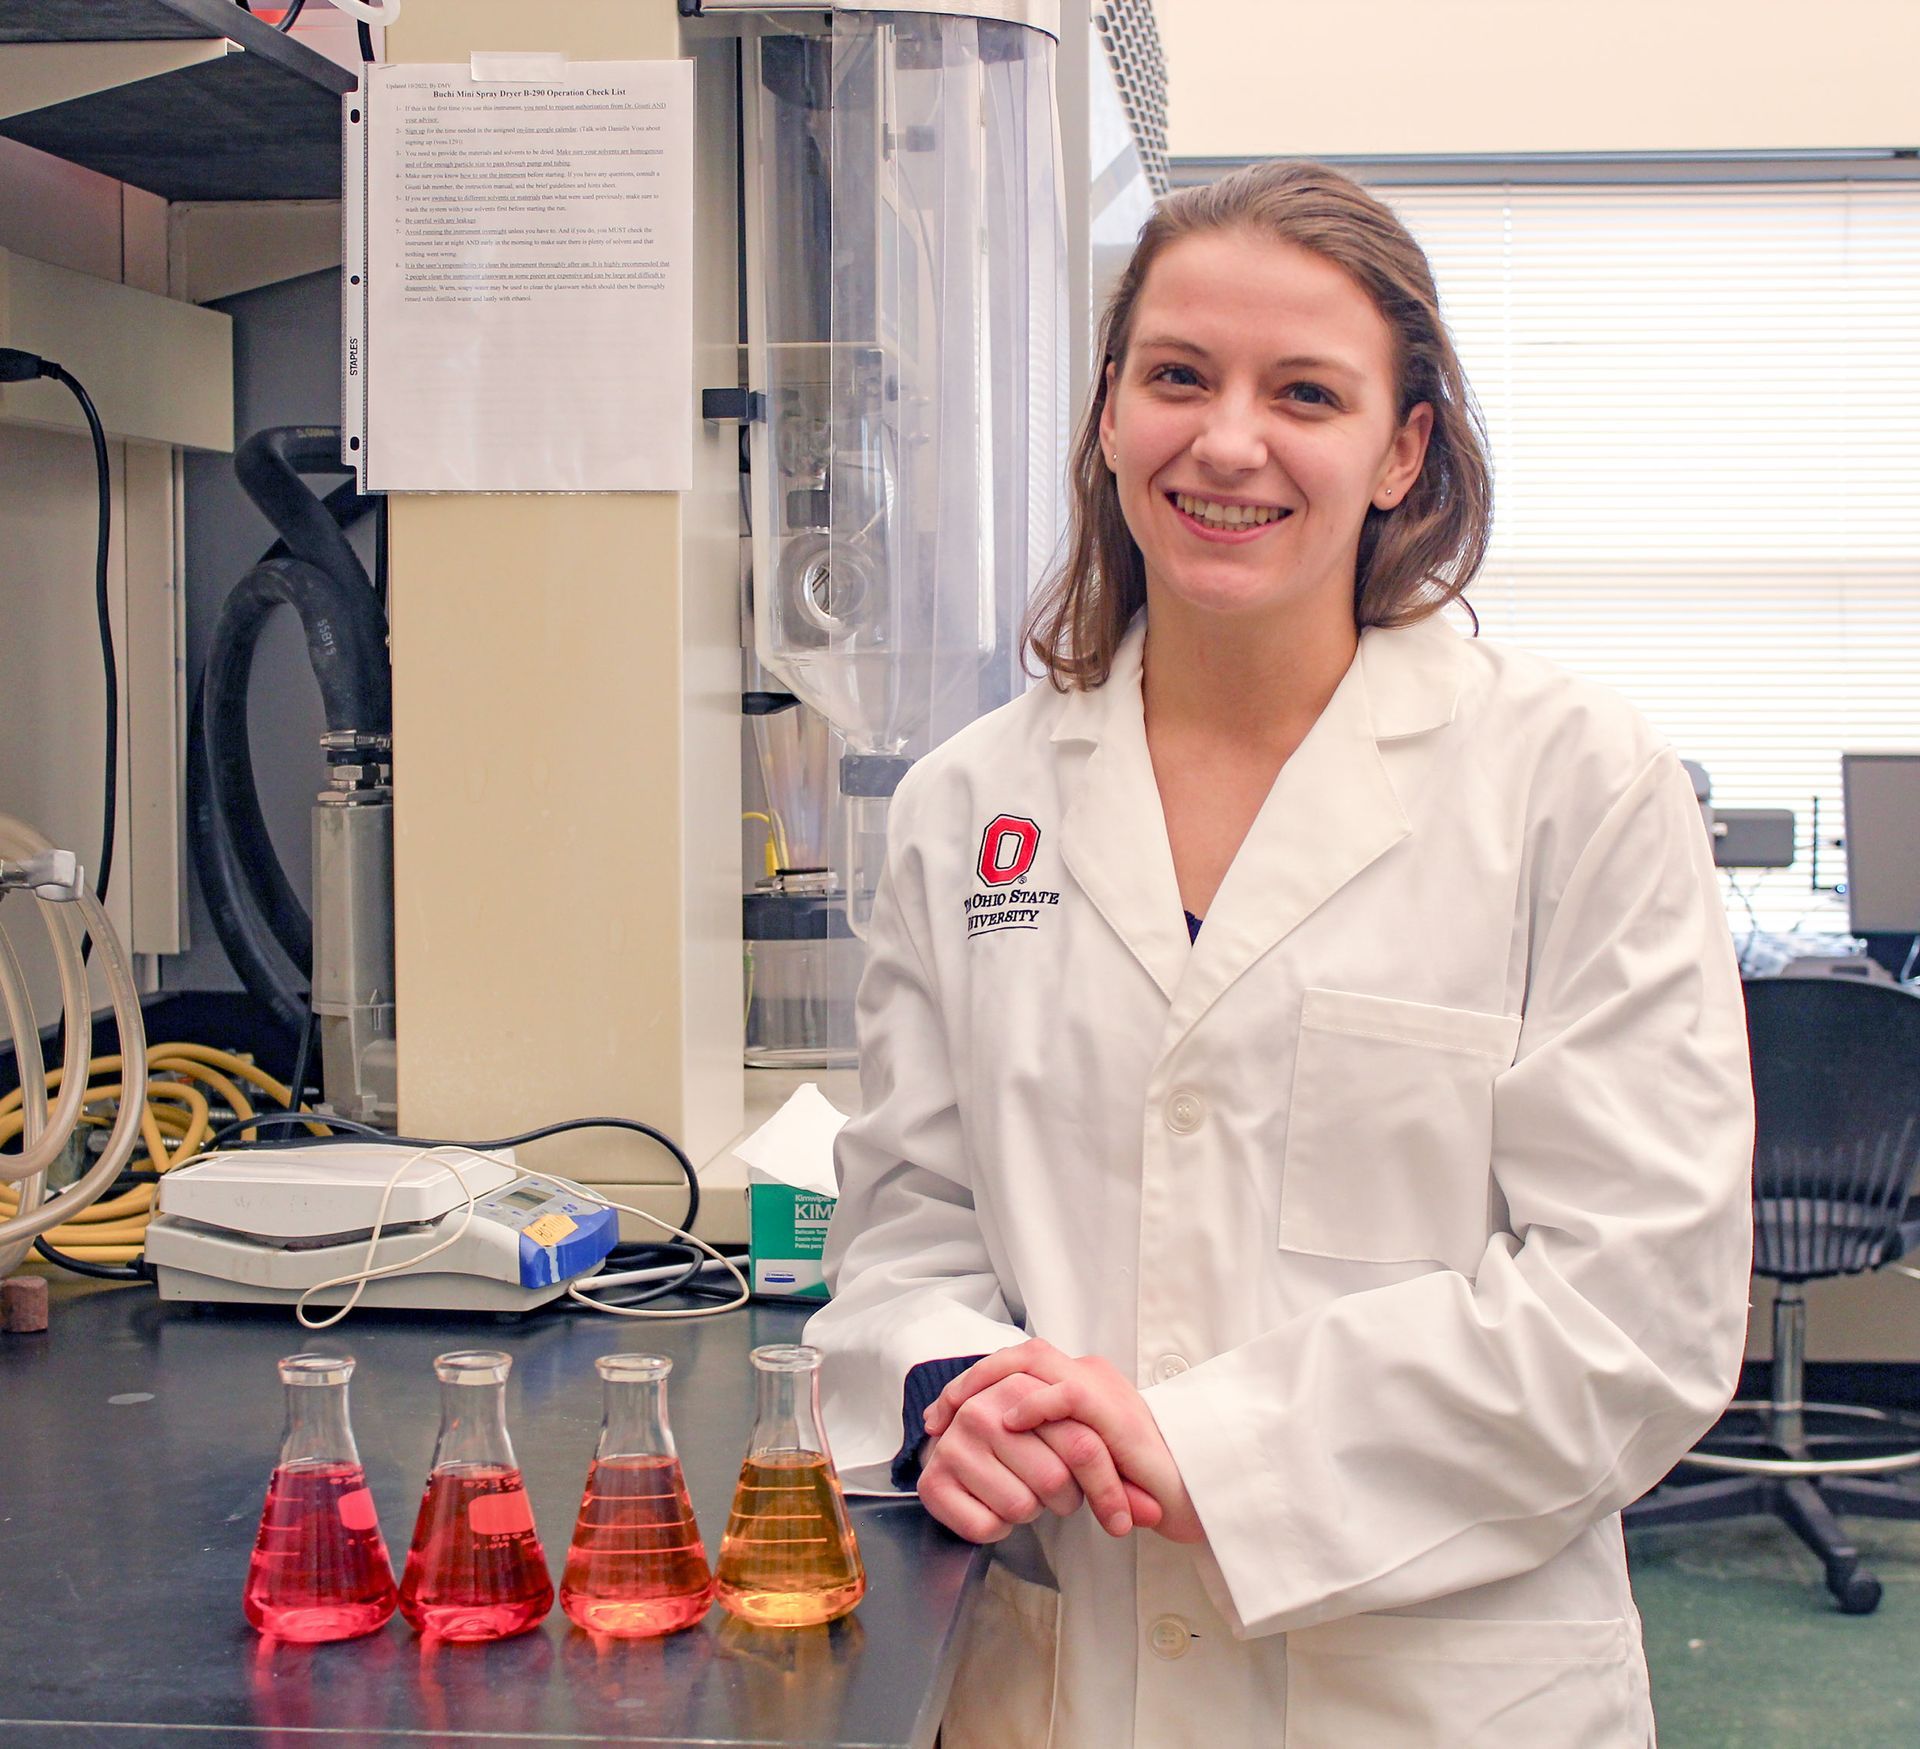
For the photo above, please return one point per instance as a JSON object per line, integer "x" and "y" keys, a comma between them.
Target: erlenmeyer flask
{"x": 476, "y": 1570}
{"x": 319, "y": 1569}
{"x": 636, "y": 1565}
{"x": 789, "y": 1559}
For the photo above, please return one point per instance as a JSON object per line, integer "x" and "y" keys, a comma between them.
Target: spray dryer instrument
{"x": 269, "y": 1226}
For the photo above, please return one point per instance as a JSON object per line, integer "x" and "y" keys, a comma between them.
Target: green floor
{"x": 1748, "y": 1652}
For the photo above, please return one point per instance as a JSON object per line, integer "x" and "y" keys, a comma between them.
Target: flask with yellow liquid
{"x": 788, "y": 1558}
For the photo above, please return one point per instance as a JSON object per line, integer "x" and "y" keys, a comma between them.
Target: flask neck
{"x": 786, "y": 1415}
{"x": 473, "y": 1426}
{"x": 635, "y": 1424}
{"x": 318, "y": 1430}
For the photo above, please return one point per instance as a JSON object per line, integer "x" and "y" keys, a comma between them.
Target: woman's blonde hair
{"x": 1414, "y": 558}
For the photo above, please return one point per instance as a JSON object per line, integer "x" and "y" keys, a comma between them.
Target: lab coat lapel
{"x": 1332, "y": 811}
{"x": 1114, "y": 836}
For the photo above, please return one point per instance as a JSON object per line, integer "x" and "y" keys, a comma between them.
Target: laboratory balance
{"x": 265, "y": 1226}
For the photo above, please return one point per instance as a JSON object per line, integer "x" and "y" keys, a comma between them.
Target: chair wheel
{"x": 1857, "y": 1594}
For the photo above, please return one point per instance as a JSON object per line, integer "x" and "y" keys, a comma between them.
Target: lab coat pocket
{"x": 1416, "y": 1682}
{"x": 1003, "y": 1687}
{"x": 1390, "y": 1130}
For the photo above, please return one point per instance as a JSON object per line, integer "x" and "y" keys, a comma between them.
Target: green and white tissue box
{"x": 791, "y": 1193}
{"x": 786, "y": 1234}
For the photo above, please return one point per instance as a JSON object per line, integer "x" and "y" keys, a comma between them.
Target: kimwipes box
{"x": 790, "y": 1196}
{"x": 786, "y": 1233}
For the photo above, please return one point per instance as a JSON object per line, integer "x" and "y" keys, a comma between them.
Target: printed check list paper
{"x": 518, "y": 279}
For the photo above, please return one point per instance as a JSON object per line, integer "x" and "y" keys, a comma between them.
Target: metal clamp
{"x": 355, "y": 744}
{"x": 52, "y": 874}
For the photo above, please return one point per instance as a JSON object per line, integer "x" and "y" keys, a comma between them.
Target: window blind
{"x": 1704, "y": 404}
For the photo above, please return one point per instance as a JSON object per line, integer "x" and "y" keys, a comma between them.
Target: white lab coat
{"x": 1414, "y": 1195}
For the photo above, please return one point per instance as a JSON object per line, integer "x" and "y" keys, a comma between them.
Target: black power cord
{"x": 17, "y": 366}
{"x": 281, "y": 1119}
{"x": 99, "y": 1271}
{"x": 22, "y": 367}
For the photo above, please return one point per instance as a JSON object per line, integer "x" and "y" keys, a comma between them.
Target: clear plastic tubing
{"x": 18, "y": 843}
{"x": 31, "y": 1067}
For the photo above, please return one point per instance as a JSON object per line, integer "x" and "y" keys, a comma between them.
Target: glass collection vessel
{"x": 319, "y": 1569}
{"x": 636, "y": 1565}
{"x": 476, "y": 1570}
{"x": 788, "y": 1558}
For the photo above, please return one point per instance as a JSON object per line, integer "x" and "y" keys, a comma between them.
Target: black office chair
{"x": 1836, "y": 1080}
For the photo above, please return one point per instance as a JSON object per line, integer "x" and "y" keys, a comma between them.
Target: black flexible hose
{"x": 346, "y": 647}
{"x": 268, "y": 466}
{"x": 224, "y": 885}
{"x": 260, "y": 862}
{"x": 239, "y": 872}
{"x": 346, "y": 504}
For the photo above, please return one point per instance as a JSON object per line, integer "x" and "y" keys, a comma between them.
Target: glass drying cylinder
{"x": 907, "y": 323}
{"x": 319, "y": 1569}
{"x": 636, "y": 1566}
{"x": 789, "y": 1558}
{"x": 476, "y": 1570}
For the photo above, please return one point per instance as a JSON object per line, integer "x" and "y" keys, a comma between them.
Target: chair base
{"x": 1807, "y": 1506}
{"x": 1759, "y": 1438}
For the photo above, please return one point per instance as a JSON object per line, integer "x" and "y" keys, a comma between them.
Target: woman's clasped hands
{"x": 1030, "y": 1430}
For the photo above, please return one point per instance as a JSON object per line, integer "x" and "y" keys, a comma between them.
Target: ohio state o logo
{"x": 1006, "y": 850}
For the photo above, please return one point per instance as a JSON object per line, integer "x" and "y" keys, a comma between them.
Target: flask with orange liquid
{"x": 789, "y": 1558}
{"x": 319, "y": 1569}
{"x": 637, "y": 1565}
{"x": 476, "y": 1570}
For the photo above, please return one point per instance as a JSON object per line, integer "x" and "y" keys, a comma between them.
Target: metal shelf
{"x": 250, "y": 115}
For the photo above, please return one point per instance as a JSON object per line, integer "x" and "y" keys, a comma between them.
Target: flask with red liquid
{"x": 636, "y": 1566}
{"x": 476, "y": 1570}
{"x": 788, "y": 1558}
{"x": 319, "y": 1569}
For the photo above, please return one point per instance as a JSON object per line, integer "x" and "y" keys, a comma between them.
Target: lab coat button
{"x": 1168, "y": 1366}
{"x": 1170, "y": 1637}
{"x": 1185, "y": 1113}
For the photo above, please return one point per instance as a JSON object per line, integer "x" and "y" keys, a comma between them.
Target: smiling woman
{"x": 1319, "y": 1272}
{"x": 1263, "y": 267}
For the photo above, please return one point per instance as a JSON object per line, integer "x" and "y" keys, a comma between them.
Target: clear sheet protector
{"x": 517, "y": 279}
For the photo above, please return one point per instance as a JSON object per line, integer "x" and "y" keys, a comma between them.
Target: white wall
{"x": 52, "y": 734}
{"x": 1253, "y": 78}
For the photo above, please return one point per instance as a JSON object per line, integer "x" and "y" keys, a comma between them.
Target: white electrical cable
{"x": 369, "y": 11}
{"x": 733, "y": 1305}
{"x": 360, "y": 1277}
{"x": 654, "y": 1272}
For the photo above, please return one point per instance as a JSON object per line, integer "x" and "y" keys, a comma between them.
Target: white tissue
{"x": 795, "y": 1145}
